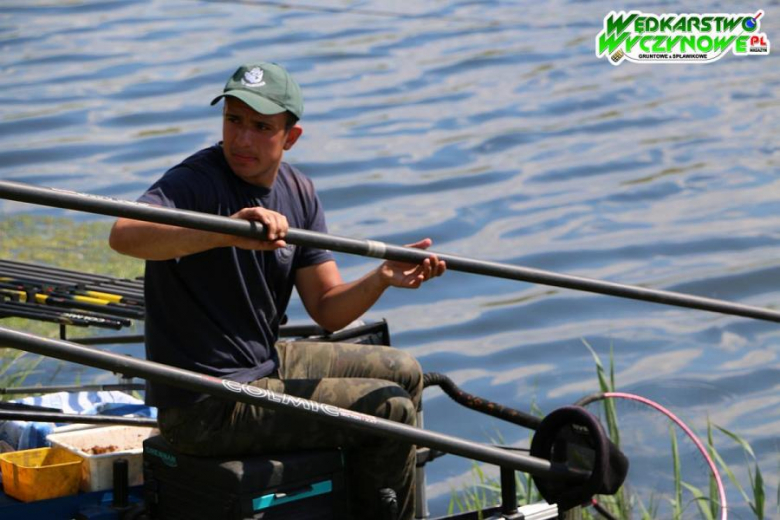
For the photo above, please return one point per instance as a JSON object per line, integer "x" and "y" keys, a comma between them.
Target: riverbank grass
{"x": 56, "y": 242}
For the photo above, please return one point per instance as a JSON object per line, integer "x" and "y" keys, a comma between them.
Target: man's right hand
{"x": 151, "y": 241}
{"x": 275, "y": 225}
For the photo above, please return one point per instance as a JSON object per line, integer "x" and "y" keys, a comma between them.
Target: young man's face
{"x": 254, "y": 143}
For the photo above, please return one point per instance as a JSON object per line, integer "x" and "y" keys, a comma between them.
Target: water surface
{"x": 490, "y": 127}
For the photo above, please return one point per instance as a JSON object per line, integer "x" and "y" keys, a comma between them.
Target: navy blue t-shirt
{"x": 218, "y": 312}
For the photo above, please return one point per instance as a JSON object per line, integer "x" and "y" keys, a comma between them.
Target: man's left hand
{"x": 411, "y": 276}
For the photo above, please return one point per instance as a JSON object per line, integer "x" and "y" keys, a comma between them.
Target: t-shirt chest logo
{"x": 253, "y": 78}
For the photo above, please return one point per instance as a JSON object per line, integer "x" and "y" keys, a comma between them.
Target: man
{"x": 215, "y": 302}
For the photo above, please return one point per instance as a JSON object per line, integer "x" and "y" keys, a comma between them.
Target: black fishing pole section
{"x": 285, "y": 331}
{"x": 56, "y": 417}
{"x": 430, "y": 379}
{"x": 36, "y": 300}
{"x": 67, "y": 273}
{"x": 479, "y": 404}
{"x": 268, "y": 399}
{"x": 219, "y": 224}
{"x": 106, "y": 340}
{"x": 129, "y": 288}
{"x": 42, "y": 297}
{"x": 6, "y": 312}
{"x": 11, "y": 309}
{"x": 32, "y": 390}
{"x": 69, "y": 288}
{"x": 76, "y": 303}
{"x": 134, "y": 293}
{"x": 13, "y": 275}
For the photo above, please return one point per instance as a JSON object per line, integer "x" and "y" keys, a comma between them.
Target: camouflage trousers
{"x": 370, "y": 379}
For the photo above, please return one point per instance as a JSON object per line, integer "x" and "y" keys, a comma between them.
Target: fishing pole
{"x": 36, "y": 299}
{"x": 109, "y": 297}
{"x": 79, "y": 302}
{"x": 479, "y": 404}
{"x": 251, "y": 395}
{"x": 371, "y": 248}
{"x": 74, "y": 288}
{"x": 69, "y": 273}
{"x": 285, "y": 331}
{"x": 8, "y": 312}
{"x": 13, "y": 300}
{"x": 11, "y": 309}
{"x": 33, "y": 390}
{"x": 131, "y": 295}
{"x": 68, "y": 291}
{"x": 56, "y": 281}
{"x": 132, "y": 292}
{"x": 25, "y": 284}
{"x": 57, "y": 417}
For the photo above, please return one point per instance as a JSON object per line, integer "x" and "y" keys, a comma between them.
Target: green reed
{"x": 64, "y": 243}
{"x": 486, "y": 492}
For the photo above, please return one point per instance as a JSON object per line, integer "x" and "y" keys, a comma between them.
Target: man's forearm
{"x": 344, "y": 303}
{"x": 150, "y": 241}
{"x": 334, "y": 304}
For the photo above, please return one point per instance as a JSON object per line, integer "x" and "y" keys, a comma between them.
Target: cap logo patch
{"x": 253, "y": 78}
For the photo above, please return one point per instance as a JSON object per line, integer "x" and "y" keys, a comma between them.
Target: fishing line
{"x": 646, "y": 417}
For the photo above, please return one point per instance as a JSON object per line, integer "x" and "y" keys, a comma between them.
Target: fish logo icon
{"x": 253, "y": 78}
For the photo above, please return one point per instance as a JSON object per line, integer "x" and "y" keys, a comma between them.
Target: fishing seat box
{"x": 305, "y": 485}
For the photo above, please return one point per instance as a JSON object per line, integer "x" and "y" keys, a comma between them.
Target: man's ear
{"x": 292, "y": 136}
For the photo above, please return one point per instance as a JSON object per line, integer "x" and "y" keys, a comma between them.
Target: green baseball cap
{"x": 266, "y": 87}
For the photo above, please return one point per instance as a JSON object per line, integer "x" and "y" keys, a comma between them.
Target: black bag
{"x": 306, "y": 485}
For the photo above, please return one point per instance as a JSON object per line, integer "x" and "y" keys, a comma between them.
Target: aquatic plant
{"x": 486, "y": 492}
